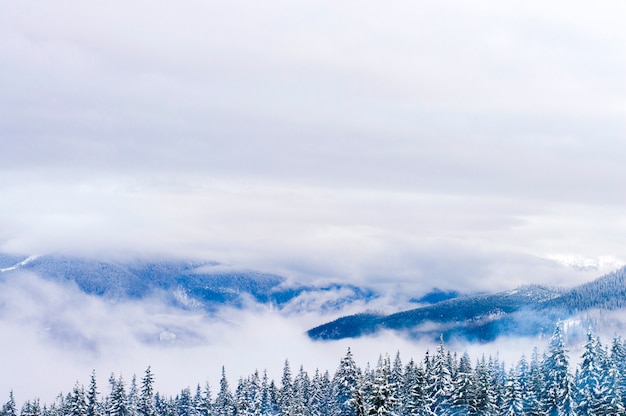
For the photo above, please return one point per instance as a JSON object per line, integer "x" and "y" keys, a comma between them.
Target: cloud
{"x": 55, "y": 335}
{"x": 59, "y": 334}
{"x": 411, "y": 146}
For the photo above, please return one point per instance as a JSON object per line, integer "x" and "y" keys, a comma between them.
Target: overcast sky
{"x": 468, "y": 143}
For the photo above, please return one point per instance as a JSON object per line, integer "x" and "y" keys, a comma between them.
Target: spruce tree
{"x": 558, "y": 381}
{"x": 77, "y": 403}
{"x": 512, "y": 396}
{"x": 224, "y": 402}
{"x": 419, "y": 403}
{"x": 440, "y": 382}
{"x": 286, "y": 393}
{"x": 381, "y": 399}
{"x": 462, "y": 386}
{"x": 146, "y": 405}
{"x": 93, "y": 404}
{"x": 344, "y": 383}
{"x": 118, "y": 402}
{"x": 9, "y": 408}
{"x": 184, "y": 403}
{"x": 482, "y": 394}
{"x": 203, "y": 401}
{"x": 618, "y": 356}
{"x": 31, "y": 408}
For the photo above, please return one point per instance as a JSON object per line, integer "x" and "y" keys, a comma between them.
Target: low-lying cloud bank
{"x": 55, "y": 335}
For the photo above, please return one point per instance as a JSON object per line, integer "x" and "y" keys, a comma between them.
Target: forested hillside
{"x": 440, "y": 383}
{"x": 183, "y": 283}
{"x": 528, "y": 310}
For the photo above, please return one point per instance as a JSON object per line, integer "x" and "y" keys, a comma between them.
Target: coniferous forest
{"x": 441, "y": 383}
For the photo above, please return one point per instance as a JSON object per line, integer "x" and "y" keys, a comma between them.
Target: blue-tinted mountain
{"x": 185, "y": 283}
{"x": 435, "y": 296}
{"x": 468, "y": 316}
{"x": 529, "y": 310}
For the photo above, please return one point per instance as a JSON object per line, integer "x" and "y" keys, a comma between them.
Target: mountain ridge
{"x": 185, "y": 283}
{"x": 528, "y": 310}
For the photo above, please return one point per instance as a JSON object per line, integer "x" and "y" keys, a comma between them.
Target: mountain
{"x": 184, "y": 283}
{"x": 529, "y": 310}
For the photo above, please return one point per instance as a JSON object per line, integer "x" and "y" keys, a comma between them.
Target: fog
{"x": 55, "y": 335}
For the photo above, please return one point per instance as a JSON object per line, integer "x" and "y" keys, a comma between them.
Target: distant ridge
{"x": 528, "y": 310}
{"x": 185, "y": 283}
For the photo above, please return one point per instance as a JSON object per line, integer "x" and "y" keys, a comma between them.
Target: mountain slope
{"x": 529, "y": 310}
{"x": 187, "y": 284}
{"x": 450, "y": 316}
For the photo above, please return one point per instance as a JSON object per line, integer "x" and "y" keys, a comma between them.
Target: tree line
{"x": 441, "y": 383}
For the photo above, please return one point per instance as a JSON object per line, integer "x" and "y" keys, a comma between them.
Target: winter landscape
{"x": 312, "y": 208}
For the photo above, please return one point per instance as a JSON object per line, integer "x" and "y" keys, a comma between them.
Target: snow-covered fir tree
{"x": 146, "y": 404}
{"x": 558, "y": 380}
{"x": 224, "y": 402}
{"x": 440, "y": 381}
{"x": 440, "y": 385}
{"x": 462, "y": 386}
{"x": 118, "y": 402}
{"x": 343, "y": 386}
{"x": 382, "y": 399}
{"x": 94, "y": 407}
{"x": 77, "y": 402}
{"x": 512, "y": 396}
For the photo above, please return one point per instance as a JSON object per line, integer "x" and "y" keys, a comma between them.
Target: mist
{"x": 56, "y": 335}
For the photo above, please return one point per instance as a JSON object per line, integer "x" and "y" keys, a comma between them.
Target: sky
{"x": 472, "y": 146}
{"x": 479, "y": 143}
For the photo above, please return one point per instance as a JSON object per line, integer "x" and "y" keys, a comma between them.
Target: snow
{"x": 20, "y": 264}
{"x": 584, "y": 263}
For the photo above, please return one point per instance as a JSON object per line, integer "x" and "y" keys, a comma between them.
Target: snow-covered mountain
{"x": 529, "y": 310}
{"x": 183, "y": 283}
{"x": 207, "y": 286}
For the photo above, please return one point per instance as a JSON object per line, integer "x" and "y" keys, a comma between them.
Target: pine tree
{"x": 419, "y": 403}
{"x": 523, "y": 375}
{"x": 440, "y": 382}
{"x": 224, "y": 402}
{"x": 133, "y": 397}
{"x": 381, "y": 399}
{"x": 396, "y": 379}
{"x": 618, "y": 356}
{"x": 534, "y": 401}
{"x": 255, "y": 394}
{"x": 462, "y": 386}
{"x": 285, "y": 394}
{"x": 184, "y": 403}
{"x": 588, "y": 378}
{"x": 9, "y": 408}
{"x": 31, "y": 408}
{"x": 558, "y": 382}
{"x": 118, "y": 402}
{"x": 344, "y": 383}
{"x": 360, "y": 395}
{"x": 93, "y": 404}
{"x": 269, "y": 403}
{"x": 512, "y": 396}
{"x": 320, "y": 394}
{"x": 482, "y": 395}
{"x": 203, "y": 401}
{"x": 77, "y": 403}
{"x": 146, "y": 404}
{"x": 301, "y": 393}
{"x": 408, "y": 380}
